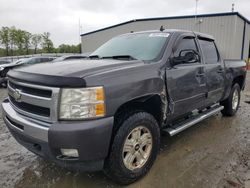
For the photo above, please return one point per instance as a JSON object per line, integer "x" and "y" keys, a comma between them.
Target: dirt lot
{"x": 214, "y": 153}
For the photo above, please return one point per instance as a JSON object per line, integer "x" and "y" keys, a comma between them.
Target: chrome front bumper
{"x": 91, "y": 138}
{"x": 22, "y": 124}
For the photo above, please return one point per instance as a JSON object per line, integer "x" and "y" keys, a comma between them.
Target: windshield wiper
{"x": 94, "y": 57}
{"x": 129, "y": 57}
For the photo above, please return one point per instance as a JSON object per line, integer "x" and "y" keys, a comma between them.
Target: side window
{"x": 43, "y": 60}
{"x": 209, "y": 50}
{"x": 37, "y": 60}
{"x": 32, "y": 61}
{"x": 187, "y": 43}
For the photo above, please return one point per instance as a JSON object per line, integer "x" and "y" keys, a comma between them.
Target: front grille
{"x": 32, "y": 91}
{"x": 38, "y": 110}
{"x": 34, "y": 101}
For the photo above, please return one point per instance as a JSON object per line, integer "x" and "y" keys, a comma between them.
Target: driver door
{"x": 186, "y": 80}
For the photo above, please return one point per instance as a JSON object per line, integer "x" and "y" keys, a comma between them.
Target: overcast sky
{"x": 61, "y": 17}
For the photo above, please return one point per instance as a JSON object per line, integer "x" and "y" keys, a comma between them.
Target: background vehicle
{"x": 27, "y": 61}
{"x": 70, "y": 57}
{"x": 2, "y": 62}
{"x": 108, "y": 112}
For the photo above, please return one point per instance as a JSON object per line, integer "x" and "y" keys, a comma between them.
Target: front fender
{"x": 128, "y": 84}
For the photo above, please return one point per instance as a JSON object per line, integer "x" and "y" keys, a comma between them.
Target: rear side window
{"x": 209, "y": 50}
{"x": 187, "y": 43}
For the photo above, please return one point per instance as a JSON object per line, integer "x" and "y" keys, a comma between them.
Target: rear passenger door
{"x": 214, "y": 70}
{"x": 186, "y": 81}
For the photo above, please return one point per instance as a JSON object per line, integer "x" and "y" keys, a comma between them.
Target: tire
{"x": 231, "y": 104}
{"x": 117, "y": 167}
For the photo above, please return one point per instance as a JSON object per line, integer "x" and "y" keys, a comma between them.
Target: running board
{"x": 175, "y": 129}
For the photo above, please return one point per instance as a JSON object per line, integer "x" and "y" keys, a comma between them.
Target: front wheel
{"x": 231, "y": 104}
{"x": 134, "y": 149}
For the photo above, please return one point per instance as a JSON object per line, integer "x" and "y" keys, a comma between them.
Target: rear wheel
{"x": 134, "y": 149}
{"x": 231, "y": 104}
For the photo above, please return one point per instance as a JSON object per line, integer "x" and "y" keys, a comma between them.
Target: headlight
{"x": 1, "y": 68}
{"x": 82, "y": 103}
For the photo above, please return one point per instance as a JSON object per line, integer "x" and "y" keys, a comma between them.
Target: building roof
{"x": 172, "y": 17}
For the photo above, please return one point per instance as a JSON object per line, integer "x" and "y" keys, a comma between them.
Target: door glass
{"x": 209, "y": 50}
{"x": 186, "y": 44}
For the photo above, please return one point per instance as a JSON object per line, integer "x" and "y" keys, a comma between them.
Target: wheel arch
{"x": 152, "y": 104}
{"x": 239, "y": 80}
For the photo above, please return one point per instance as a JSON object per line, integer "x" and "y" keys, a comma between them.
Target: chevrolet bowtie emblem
{"x": 17, "y": 95}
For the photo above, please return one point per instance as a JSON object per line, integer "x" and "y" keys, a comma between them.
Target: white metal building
{"x": 231, "y": 30}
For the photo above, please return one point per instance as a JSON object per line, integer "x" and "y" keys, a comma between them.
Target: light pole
{"x": 79, "y": 34}
{"x": 233, "y": 7}
{"x": 195, "y": 18}
{"x": 80, "y": 29}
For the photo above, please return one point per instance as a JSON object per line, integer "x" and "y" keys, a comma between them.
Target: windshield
{"x": 29, "y": 61}
{"x": 18, "y": 61}
{"x": 142, "y": 46}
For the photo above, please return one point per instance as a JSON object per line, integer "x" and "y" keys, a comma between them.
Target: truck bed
{"x": 233, "y": 63}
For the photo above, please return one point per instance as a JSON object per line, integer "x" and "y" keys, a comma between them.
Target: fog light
{"x": 70, "y": 152}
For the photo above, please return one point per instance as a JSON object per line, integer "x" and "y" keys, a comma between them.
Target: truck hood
{"x": 78, "y": 68}
{"x": 69, "y": 73}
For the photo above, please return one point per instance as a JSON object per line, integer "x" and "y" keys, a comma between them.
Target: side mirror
{"x": 185, "y": 56}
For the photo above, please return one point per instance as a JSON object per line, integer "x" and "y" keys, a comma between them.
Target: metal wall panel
{"x": 247, "y": 42}
{"x": 228, "y": 31}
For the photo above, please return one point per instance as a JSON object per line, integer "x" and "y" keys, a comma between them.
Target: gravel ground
{"x": 214, "y": 153}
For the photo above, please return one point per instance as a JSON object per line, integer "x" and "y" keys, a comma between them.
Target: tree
{"x": 15, "y": 41}
{"x": 27, "y": 40}
{"x": 36, "y": 41}
{"x": 12, "y": 35}
{"x": 19, "y": 40}
{"x": 5, "y": 39}
{"x": 78, "y": 48}
{"x": 65, "y": 48}
{"x": 47, "y": 43}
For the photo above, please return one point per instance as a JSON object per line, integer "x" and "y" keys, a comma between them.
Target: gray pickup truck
{"x": 107, "y": 112}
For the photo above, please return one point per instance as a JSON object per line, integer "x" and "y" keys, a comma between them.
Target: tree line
{"x": 15, "y": 41}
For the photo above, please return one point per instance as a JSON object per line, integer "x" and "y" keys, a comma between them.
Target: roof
{"x": 172, "y": 17}
{"x": 199, "y": 34}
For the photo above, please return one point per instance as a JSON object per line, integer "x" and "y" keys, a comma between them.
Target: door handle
{"x": 200, "y": 74}
{"x": 220, "y": 70}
